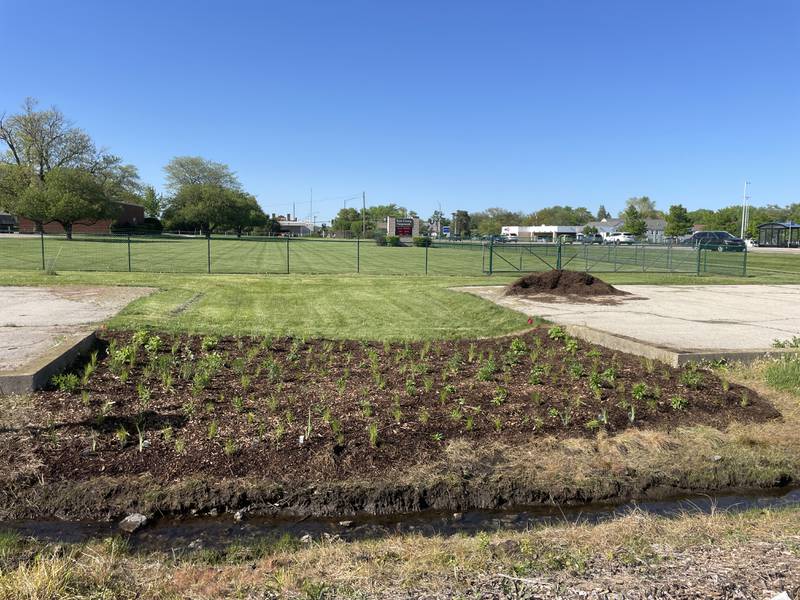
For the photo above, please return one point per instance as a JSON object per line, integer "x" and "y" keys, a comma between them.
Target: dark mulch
{"x": 562, "y": 283}
{"x": 239, "y": 406}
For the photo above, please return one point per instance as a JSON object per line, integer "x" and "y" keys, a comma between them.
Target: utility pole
{"x": 745, "y": 209}
{"x": 363, "y": 214}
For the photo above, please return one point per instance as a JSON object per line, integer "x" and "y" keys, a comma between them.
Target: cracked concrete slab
{"x": 38, "y": 324}
{"x": 685, "y": 319}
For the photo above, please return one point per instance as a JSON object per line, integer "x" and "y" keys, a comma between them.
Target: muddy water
{"x": 220, "y": 531}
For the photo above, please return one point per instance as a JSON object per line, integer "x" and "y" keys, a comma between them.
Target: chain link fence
{"x": 168, "y": 253}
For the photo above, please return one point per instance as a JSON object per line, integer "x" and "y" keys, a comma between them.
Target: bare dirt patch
{"x": 563, "y": 284}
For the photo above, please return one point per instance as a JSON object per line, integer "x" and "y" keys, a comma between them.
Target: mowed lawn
{"x": 330, "y": 306}
{"x": 232, "y": 255}
{"x": 170, "y": 254}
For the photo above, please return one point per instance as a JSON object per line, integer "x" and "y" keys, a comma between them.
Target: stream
{"x": 181, "y": 533}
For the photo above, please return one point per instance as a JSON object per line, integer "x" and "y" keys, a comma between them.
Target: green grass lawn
{"x": 334, "y": 306}
{"x": 167, "y": 254}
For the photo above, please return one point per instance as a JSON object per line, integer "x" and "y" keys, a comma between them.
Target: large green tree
{"x": 678, "y": 221}
{"x": 559, "y": 215}
{"x": 602, "y": 213}
{"x": 245, "y": 213}
{"x": 195, "y": 170}
{"x": 207, "y": 206}
{"x": 71, "y": 196}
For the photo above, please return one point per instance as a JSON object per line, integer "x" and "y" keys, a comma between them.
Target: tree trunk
{"x": 68, "y": 230}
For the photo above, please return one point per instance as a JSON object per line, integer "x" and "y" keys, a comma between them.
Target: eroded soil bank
{"x": 189, "y": 425}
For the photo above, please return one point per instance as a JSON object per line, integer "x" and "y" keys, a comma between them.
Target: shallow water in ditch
{"x": 217, "y": 532}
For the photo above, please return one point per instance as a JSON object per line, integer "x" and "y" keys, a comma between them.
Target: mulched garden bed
{"x": 314, "y": 410}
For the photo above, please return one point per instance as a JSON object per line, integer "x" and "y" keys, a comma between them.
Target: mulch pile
{"x": 562, "y": 283}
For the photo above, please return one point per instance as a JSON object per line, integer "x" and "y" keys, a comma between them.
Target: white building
{"x": 541, "y": 233}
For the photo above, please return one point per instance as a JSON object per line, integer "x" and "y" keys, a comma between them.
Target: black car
{"x": 721, "y": 241}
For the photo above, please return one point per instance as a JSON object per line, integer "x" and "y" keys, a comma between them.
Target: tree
{"x": 491, "y": 221}
{"x": 207, "y": 206}
{"x": 634, "y": 223}
{"x": 678, "y": 221}
{"x": 345, "y": 219}
{"x": 462, "y": 223}
{"x": 645, "y": 207}
{"x": 245, "y": 213}
{"x": 42, "y": 140}
{"x": 589, "y": 230}
{"x": 71, "y": 195}
{"x": 195, "y": 170}
{"x": 153, "y": 203}
{"x": 559, "y": 215}
{"x": 602, "y": 213}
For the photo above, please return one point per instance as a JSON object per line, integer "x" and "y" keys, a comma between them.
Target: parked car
{"x": 592, "y": 238}
{"x": 620, "y": 237}
{"x": 721, "y": 241}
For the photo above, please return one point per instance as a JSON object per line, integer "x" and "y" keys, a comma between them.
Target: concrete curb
{"x": 37, "y": 373}
{"x": 675, "y": 358}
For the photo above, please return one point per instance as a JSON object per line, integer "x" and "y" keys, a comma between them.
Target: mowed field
{"x": 172, "y": 254}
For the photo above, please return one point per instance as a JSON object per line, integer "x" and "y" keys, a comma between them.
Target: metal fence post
{"x": 287, "y": 254}
{"x": 208, "y": 244}
{"x": 41, "y": 236}
{"x": 426, "y": 256}
{"x": 491, "y": 253}
{"x": 558, "y": 254}
{"x": 358, "y": 254}
{"x": 744, "y": 261}
{"x": 699, "y": 250}
{"x": 129, "y": 252}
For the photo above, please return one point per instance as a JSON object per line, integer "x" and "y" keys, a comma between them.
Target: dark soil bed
{"x": 562, "y": 283}
{"x": 292, "y": 410}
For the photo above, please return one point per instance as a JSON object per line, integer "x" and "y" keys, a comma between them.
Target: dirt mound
{"x": 562, "y": 283}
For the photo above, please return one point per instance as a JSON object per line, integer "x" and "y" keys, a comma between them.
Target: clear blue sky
{"x": 424, "y": 103}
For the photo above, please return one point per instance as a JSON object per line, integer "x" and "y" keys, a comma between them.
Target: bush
{"x": 421, "y": 241}
{"x": 392, "y": 240}
{"x": 380, "y": 239}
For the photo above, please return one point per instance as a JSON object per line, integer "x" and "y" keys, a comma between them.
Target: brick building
{"x": 129, "y": 214}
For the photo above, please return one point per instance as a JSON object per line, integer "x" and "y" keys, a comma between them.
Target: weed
{"x": 556, "y": 333}
{"x": 238, "y": 404}
{"x": 469, "y": 424}
{"x": 793, "y": 342}
{"x": 213, "y": 430}
{"x": 66, "y": 382}
{"x": 230, "y": 447}
{"x": 180, "y": 445}
{"x": 437, "y": 437}
{"x": 497, "y": 423}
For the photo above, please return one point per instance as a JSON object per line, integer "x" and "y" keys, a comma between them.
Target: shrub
{"x": 421, "y": 241}
{"x": 392, "y": 240}
{"x": 380, "y": 239}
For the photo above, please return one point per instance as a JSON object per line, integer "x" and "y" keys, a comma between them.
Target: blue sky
{"x": 425, "y": 104}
